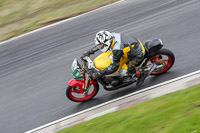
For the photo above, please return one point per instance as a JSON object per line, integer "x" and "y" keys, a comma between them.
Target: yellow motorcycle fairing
{"x": 105, "y": 59}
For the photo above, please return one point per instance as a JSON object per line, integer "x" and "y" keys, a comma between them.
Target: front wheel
{"x": 74, "y": 94}
{"x": 164, "y": 59}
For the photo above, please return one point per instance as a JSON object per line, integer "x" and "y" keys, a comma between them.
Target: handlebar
{"x": 90, "y": 64}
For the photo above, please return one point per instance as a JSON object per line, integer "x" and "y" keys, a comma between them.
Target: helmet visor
{"x": 102, "y": 45}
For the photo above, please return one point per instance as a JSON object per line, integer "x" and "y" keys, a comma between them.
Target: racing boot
{"x": 130, "y": 75}
{"x": 141, "y": 77}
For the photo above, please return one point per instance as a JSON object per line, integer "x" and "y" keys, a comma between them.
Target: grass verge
{"x": 177, "y": 112}
{"x": 20, "y": 16}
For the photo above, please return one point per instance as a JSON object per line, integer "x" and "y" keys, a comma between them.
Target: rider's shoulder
{"x": 115, "y": 34}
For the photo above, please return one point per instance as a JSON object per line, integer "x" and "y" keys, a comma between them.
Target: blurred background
{"x": 35, "y": 69}
{"x": 19, "y": 16}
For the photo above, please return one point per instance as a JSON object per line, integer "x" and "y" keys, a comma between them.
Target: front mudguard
{"x": 81, "y": 83}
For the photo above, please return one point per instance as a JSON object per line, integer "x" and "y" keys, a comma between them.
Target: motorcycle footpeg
{"x": 129, "y": 79}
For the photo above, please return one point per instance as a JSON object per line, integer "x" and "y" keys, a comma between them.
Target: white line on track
{"x": 114, "y": 100}
{"x": 60, "y": 22}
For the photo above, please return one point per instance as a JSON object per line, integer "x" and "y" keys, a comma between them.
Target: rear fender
{"x": 154, "y": 45}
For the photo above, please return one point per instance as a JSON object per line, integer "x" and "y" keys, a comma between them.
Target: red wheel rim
{"x": 77, "y": 96}
{"x": 166, "y": 60}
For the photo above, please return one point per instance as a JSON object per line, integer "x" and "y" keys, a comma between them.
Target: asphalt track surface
{"x": 35, "y": 69}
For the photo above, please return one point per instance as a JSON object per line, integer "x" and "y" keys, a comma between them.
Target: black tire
{"x": 75, "y": 99}
{"x": 166, "y": 52}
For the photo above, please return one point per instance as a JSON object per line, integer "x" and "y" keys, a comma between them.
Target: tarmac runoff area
{"x": 121, "y": 103}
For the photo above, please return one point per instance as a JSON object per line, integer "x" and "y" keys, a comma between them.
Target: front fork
{"x": 86, "y": 85}
{"x": 82, "y": 84}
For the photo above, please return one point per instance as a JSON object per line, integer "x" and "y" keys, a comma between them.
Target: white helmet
{"x": 103, "y": 40}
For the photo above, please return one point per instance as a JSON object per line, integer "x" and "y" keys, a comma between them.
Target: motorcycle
{"x": 83, "y": 87}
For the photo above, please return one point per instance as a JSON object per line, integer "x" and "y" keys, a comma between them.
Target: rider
{"x": 121, "y": 45}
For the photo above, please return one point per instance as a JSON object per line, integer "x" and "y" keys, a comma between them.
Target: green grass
{"x": 177, "y": 112}
{"x": 20, "y": 16}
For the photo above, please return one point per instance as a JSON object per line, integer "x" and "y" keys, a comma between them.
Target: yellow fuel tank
{"x": 105, "y": 59}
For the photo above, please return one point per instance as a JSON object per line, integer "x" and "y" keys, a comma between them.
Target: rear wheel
{"x": 164, "y": 59}
{"x": 74, "y": 94}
